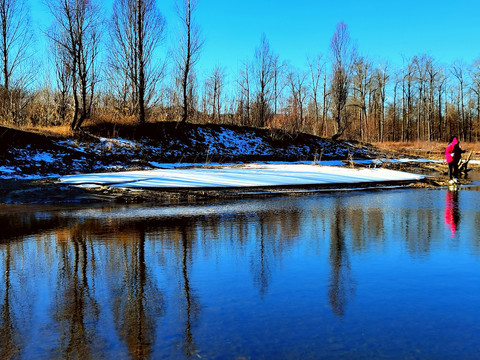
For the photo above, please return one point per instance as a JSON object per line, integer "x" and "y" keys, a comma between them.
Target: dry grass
{"x": 50, "y": 131}
{"x": 53, "y": 131}
{"x": 428, "y": 149}
{"x": 109, "y": 119}
{"x": 65, "y": 130}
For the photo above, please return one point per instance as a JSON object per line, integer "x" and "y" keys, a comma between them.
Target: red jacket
{"x": 450, "y": 149}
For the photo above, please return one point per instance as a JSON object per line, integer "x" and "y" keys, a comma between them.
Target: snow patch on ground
{"x": 7, "y": 169}
{"x": 43, "y": 156}
{"x": 236, "y": 144}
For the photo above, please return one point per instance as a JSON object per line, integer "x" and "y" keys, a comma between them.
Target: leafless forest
{"x": 120, "y": 69}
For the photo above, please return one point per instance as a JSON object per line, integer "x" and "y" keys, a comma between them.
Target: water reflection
{"x": 10, "y": 338}
{"x": 189, "y": 302}
{"x": 136, "y": 282}
{"x": 276, "y": 232}
{"x": 452, "y": 212}
{"x": 76, "y": 310}
{"x": 137, "y": 303}
{"x": 342, "y": 286}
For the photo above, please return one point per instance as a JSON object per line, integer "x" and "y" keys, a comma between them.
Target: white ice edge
{"x": 251, "y": 175}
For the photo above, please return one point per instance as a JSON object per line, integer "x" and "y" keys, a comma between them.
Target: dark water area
{"x": 364, "y": 274}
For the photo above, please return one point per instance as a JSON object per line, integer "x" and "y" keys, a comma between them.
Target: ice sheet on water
{"x": 250, "y": 175}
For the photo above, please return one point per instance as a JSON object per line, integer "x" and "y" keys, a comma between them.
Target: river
{"x": 353, "y": 274}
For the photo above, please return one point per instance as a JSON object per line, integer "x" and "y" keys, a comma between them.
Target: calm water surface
{"x": 367, "y": 274}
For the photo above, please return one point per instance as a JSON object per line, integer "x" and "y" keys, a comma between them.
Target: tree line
{"x": 115, "y": 69}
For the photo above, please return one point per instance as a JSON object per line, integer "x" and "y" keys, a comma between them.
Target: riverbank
{"x": 55, "y": 191}
{"x": 31, "y": 163}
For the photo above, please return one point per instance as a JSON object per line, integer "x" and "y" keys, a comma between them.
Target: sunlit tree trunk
{"x": 263, "y": 68}
{"x": 458, "y": 72}
{"x": 188, "y": 54}
{"x": 16, "y": 39}
{"x": 136, "y": 31}
{"x": 342, "y": 55}
{"x": 316, "y": 68}
{"x": 76, "y": 35}
{"x": 244, "y": 89}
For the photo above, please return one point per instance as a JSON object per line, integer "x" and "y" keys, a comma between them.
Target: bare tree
{"x": 15, "y": 41}
{"x": 264, "y": 78}
{"x": 475, "y": 75}
{"x": 441, "y": 90}
{"x": 214, "y": 88}
{"x": 433, "y": 81}
{"x": 407, "y": 100}
{"x": 342, "y": 53}
{"x": 326, "y": 105}
{"x": 278, "y": 84}
{"x": 244, "y": 85}
{"x": 298, "y": 93}
{"x": 188, "y": 53}
{"x": 76, "y": 34}
{"x": 64, "y": 79}
{"x": 361, "y": 81}
{"x": 381, "y": 77}
{"x": 458, "y": 70}
{"x": 423, "y": 65}
{"x": 136, "y": 30}
{"x": 316, "y": 69}
{"x": 396, "y": 83}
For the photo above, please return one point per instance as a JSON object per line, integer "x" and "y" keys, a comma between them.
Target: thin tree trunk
{"x": 186, "y": 71}
{"x": 141, "y": 64}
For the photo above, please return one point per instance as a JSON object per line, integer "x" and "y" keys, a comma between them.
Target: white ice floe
{"x": 252, "y": 175}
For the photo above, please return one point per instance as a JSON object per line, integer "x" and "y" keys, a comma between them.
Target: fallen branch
{"x": 463, "y": 168}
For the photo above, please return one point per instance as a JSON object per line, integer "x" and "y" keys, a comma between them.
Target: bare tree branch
{"x": 136, "y": 31}
{"x": 188, "y": 53}
{"x": 76, "y": 36}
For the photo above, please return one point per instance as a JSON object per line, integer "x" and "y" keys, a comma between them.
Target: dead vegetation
{"x": 427, "y": 149}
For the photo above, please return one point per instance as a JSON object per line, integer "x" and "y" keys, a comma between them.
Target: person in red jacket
{"x": 453, "y": 154}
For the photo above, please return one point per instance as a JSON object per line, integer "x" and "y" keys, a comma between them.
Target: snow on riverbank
{"x": 252, "y": 175}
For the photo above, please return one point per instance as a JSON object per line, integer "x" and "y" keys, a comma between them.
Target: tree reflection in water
{"x": 10, "y": 342}
{"x": 260, "y": 263}
{"x": 191, "y": 301}
{"x": 136, "y": 300}
{"x": 109, "y": 278}
{"x": 342, "y": 285}
{"x": 76, "y": 310}
{"x": 275, "y": 232}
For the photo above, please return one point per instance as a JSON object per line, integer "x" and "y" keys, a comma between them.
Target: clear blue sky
{"x": 382, "y": 30}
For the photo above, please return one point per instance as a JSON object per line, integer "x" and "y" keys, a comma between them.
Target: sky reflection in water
{"x": 356, "y": 274}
